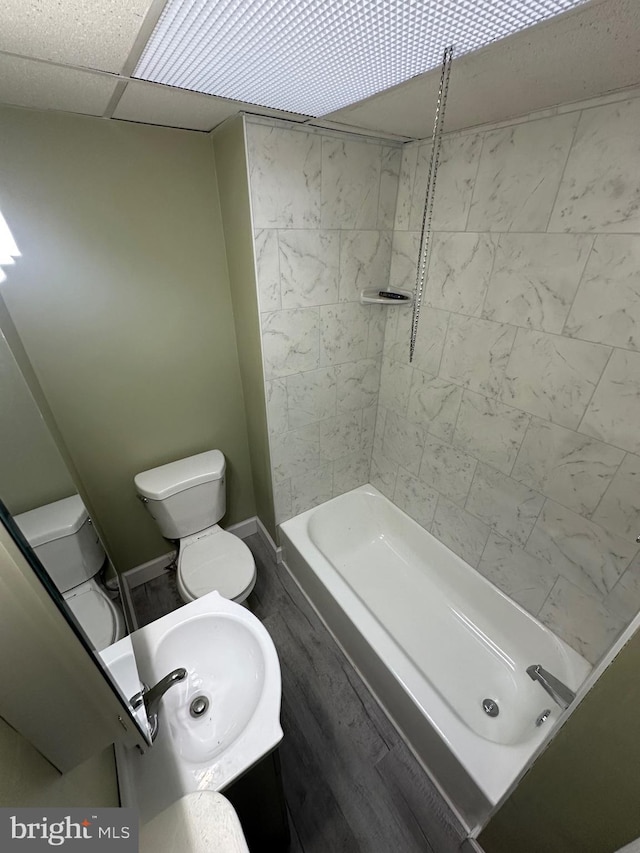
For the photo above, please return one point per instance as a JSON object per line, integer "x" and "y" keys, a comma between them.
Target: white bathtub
{"x": 433, "y": 638}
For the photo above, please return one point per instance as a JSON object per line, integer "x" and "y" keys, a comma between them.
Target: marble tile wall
{"x": 323, "y": 209}
{"x": 514, "y": 435}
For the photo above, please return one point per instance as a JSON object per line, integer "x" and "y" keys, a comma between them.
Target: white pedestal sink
{"x": 232, "y": 664}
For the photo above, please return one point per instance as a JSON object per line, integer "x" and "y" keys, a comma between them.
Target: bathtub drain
{"x": 490, "y": 707}
{"x": 199, "y": 706}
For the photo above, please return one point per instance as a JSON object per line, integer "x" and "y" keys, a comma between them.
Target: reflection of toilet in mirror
{"x": 186, "y": 499}
{"x": 65, "y": 541}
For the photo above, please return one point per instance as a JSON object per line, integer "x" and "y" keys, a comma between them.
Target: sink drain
{"x": 199, "y": 706}
{"x": 490, "y": 707}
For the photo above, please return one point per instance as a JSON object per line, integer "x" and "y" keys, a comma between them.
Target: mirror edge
{"x": 63, "y": 703}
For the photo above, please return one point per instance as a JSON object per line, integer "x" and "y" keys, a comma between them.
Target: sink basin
{"x": 226, "y": 668}
{"x": 233, "y": 666}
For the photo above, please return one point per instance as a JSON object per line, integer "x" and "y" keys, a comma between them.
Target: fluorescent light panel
{"x": 316, "y": 56}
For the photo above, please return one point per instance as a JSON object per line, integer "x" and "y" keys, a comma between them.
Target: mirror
{"x": 54, "y": 693}
{"x": 39, "y": 504}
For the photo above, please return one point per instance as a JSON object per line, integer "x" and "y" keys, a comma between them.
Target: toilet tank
{"x": 65, "y": 541}
{"x": 185, "y": 496}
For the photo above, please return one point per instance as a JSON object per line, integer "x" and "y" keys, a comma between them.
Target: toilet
{"x": 65, "y": 541}
{"x": 186, "y": 499}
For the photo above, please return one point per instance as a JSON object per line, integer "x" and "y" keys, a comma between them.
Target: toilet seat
{"x": 98, "y": 616}
{"x": 214, "y": 559}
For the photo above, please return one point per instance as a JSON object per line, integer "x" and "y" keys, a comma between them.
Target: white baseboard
{"x": 154, "y": 568}
{"x": 148, "y": 571}
{"x": 244, "y": 528}
{"x": 268, "y": 541}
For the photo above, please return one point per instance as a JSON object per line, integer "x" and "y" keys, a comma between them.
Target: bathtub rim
{"x": 492, "y": 612}
{"x": 478, "y": 803}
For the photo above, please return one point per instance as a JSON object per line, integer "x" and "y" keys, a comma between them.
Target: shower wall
{"x": 513, "y": 437}
{"x": 323, "y": 210}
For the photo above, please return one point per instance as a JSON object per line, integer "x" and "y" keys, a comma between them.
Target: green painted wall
{"x": 27, "y": 779}
{"x": 121, "y": 300}
{"x": 233, "y": 183}
{"x": 583, "y": 794}
{"x": 32, "y": 472}
{"x": 12, "y": 338}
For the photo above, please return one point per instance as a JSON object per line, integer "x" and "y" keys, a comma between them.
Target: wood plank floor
{"x": 155, "y": 598}
{"x": 351, "y": 783}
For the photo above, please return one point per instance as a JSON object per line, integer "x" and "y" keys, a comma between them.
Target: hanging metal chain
{"x": 427, "y": 215}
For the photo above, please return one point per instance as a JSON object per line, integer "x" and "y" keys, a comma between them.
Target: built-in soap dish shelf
{"x": 393, "y": 297}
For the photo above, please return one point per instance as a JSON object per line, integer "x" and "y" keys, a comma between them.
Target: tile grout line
{"x": 395, "y": 201}
{"x": 497, "y": 231}
{"x": 595, "y": 509}
{"x": 455, "y": 425}
{"x": 483, "y": 134}
{"x": 627, "y": 568}
{"x": 503, "y": 379}
{"x": 544, "y": 503}
{"x": 534, "y": 329}
{"x": 563, "y": 334}
{"x": 496, "y": 249}
{"x": 380, "y": 159}
{"x": 396, "y": 224}
{"x": 484, "y": 548}
{"x": 548, "y": 596}
{"x": 515, "y": 459}
{"x": 596, "y": 385}
{"x": 562, "y": 174}
{"x": 277, "y": 232}
{"x": 413, "y": 187}
{"x": 444, "y": 343}
{"x": 473, "y": 479}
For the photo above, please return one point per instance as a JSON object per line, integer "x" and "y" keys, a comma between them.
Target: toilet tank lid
{"x": 166, "y": 480}
{"x": 52, "y": 521}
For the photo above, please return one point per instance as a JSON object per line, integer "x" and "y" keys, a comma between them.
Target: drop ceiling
{"x": 79, "y": 57}
{"x": 317, "y": 56}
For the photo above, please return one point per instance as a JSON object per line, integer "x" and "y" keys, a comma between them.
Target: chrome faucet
{"x": 558, "y": 691}
{"x": 150, "y": 697}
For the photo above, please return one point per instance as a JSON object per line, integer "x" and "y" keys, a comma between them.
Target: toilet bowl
{"x": 100, "y": 617}
{"x": 215, "y": 559}
{"x": 187, "y": 498}
{"x": 66, "y": 543}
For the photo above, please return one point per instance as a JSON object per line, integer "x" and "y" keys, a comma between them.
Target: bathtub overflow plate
{"x": 490, "y": 707}
{"x": 544, "y": 716}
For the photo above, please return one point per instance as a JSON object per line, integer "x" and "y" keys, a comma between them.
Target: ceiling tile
{"x": 549, "y": 64}
{"x": 97, "y": 34}
{"x": 154, "y": 104}
{"x": 27, "y": 83}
